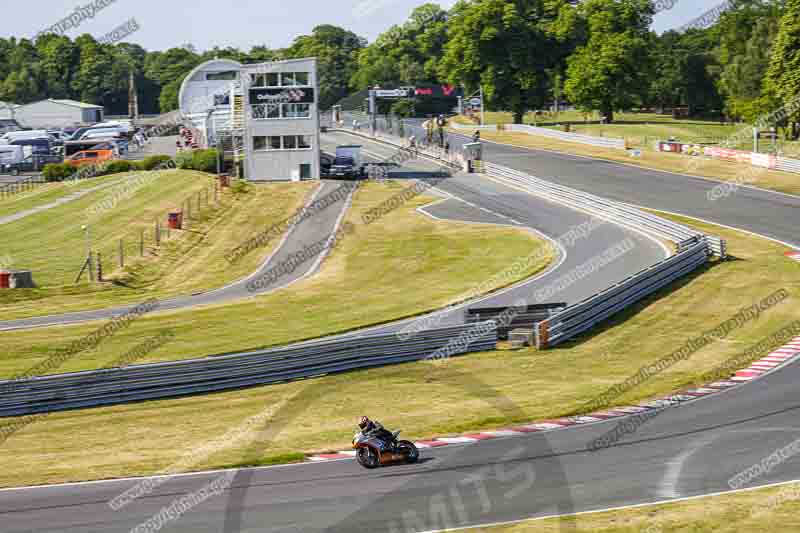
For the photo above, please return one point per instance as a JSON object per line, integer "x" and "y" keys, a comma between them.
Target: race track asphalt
{"x": 310, "y": 230}
{"x": 550, "y": 219}
{"x": 685, "y": 451}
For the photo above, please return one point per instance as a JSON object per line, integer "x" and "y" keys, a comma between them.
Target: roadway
{"x": 469, "y": 199}
{"x": 309, "y": 230}
{"x": 768, "y": 213}
{"x": 685, "y": 451}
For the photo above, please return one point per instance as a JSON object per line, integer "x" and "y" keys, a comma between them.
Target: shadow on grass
{"x": 621, "y": 317}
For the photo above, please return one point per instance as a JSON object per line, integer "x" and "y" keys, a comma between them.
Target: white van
{"x": 29, "y": 134}
{"x": 100, "y": 134}
{"x": 125, "y": 127}
{"x": 11, "y": 155}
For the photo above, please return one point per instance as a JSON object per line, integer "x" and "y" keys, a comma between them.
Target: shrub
{"x": 114, "y": 167}
{"x": 205, "y": 160}
{"x": 240, "y": 187}
{"x": 150, "y": 163}
{"x": 58, "y": 171}
{"x": 184, "y": 160}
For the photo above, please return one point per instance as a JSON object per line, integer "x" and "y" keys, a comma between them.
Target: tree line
{"x": 599, "y": 55}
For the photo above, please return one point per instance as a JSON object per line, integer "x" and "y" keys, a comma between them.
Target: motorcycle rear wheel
{"x": 409, "y": 450}
{"x": 367, "y": 458}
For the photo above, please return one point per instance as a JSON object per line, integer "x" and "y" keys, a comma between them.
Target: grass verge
{"x": 318, "y": 415}
{"x": 191, "y": 261}
{"x": 47, "y": 193}
{"x": 771, "y": 509}
{"x": 401, "y": 265}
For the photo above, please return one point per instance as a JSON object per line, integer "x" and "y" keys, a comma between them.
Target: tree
{"x": 336, "y": 51}
{"x": 405, "y": 54}
{"x": 504, "y": 47}
{"x": 92, "y": 84}
{"x": 745, "y": 37}
{"x": 682, "y": 71}
{"x": 58, "y": 61}
{"x": 783, "y": 78}
{"x": 610, "y": 71}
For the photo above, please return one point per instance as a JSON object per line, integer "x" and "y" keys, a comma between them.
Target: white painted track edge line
{"x": 619, "y": 508}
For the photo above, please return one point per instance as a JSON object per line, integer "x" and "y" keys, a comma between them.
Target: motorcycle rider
{"x": 372, "y": 428}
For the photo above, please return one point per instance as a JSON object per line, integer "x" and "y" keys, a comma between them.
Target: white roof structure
{"x": 204, "y": 98}
{"x": 6, "y": 109}
{"x": 198, "y": 90}
{"x": 75, "y": 103}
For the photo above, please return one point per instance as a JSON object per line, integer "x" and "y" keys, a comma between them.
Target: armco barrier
{"x": 788, "y": 165}
{"x": 693, "y": 251}
{"x": 473, "y": 127}
{"x": 616, "y": 212}
{"x": 179, "y": 378}
{"x": 584, "y": 315}
{"x": 604, "y": 142}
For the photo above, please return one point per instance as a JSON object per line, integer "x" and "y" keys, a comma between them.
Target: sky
{"x": 244, "y": 23}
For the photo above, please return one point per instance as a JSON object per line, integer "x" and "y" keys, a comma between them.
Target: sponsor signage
{"x": 764, "y": 160}
{"x": 438, "y": 91}
{"x": 289, "y": 95}
{"x": 728, "y": 154}
{"x": 391, "y": 93}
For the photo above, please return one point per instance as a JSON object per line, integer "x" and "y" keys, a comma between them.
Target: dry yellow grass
{"x": 402, "y": 265}
{"x": 437, "y": 399}
{"x": 772, "y": 509}
{"x": 191, "y": 261}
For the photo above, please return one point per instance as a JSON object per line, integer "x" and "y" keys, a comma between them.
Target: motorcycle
{"x": 372, "y": 452}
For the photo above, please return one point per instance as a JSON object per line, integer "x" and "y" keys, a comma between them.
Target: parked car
{"x": 10, "y": 155}
{"x": 90, "y": 157}
{"x": 38, "y": 145}
{"x": 348, "y": 162}
{"x": 325, "y": 163}
{"x": 11, "y": 136}
{"x": 32, "y": 163}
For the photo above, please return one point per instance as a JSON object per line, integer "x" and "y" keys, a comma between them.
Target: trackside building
{"x": 281, "y": 122}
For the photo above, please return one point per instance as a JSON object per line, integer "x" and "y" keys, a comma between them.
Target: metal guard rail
{"x": 585, "y": 315}
{"x": 604, "y": 142}
{"x": 693, "y": 251}
{"x": 616, "y": 212}
{"x": 179, "y": 378}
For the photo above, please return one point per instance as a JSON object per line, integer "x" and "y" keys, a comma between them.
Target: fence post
{"x": 90, "y": 259}
{"x": 121, "y": 254}
{"x": 99, "y": 267}
{"x": 141, "y": 244}
{"x": 158, "y": 233}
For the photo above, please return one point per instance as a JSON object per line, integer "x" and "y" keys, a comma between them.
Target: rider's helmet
{"x": 363, "y": 422}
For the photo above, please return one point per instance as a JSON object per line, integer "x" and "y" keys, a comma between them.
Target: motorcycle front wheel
{"x": 408, "y": 449}
{"x": 368, "y": 458}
